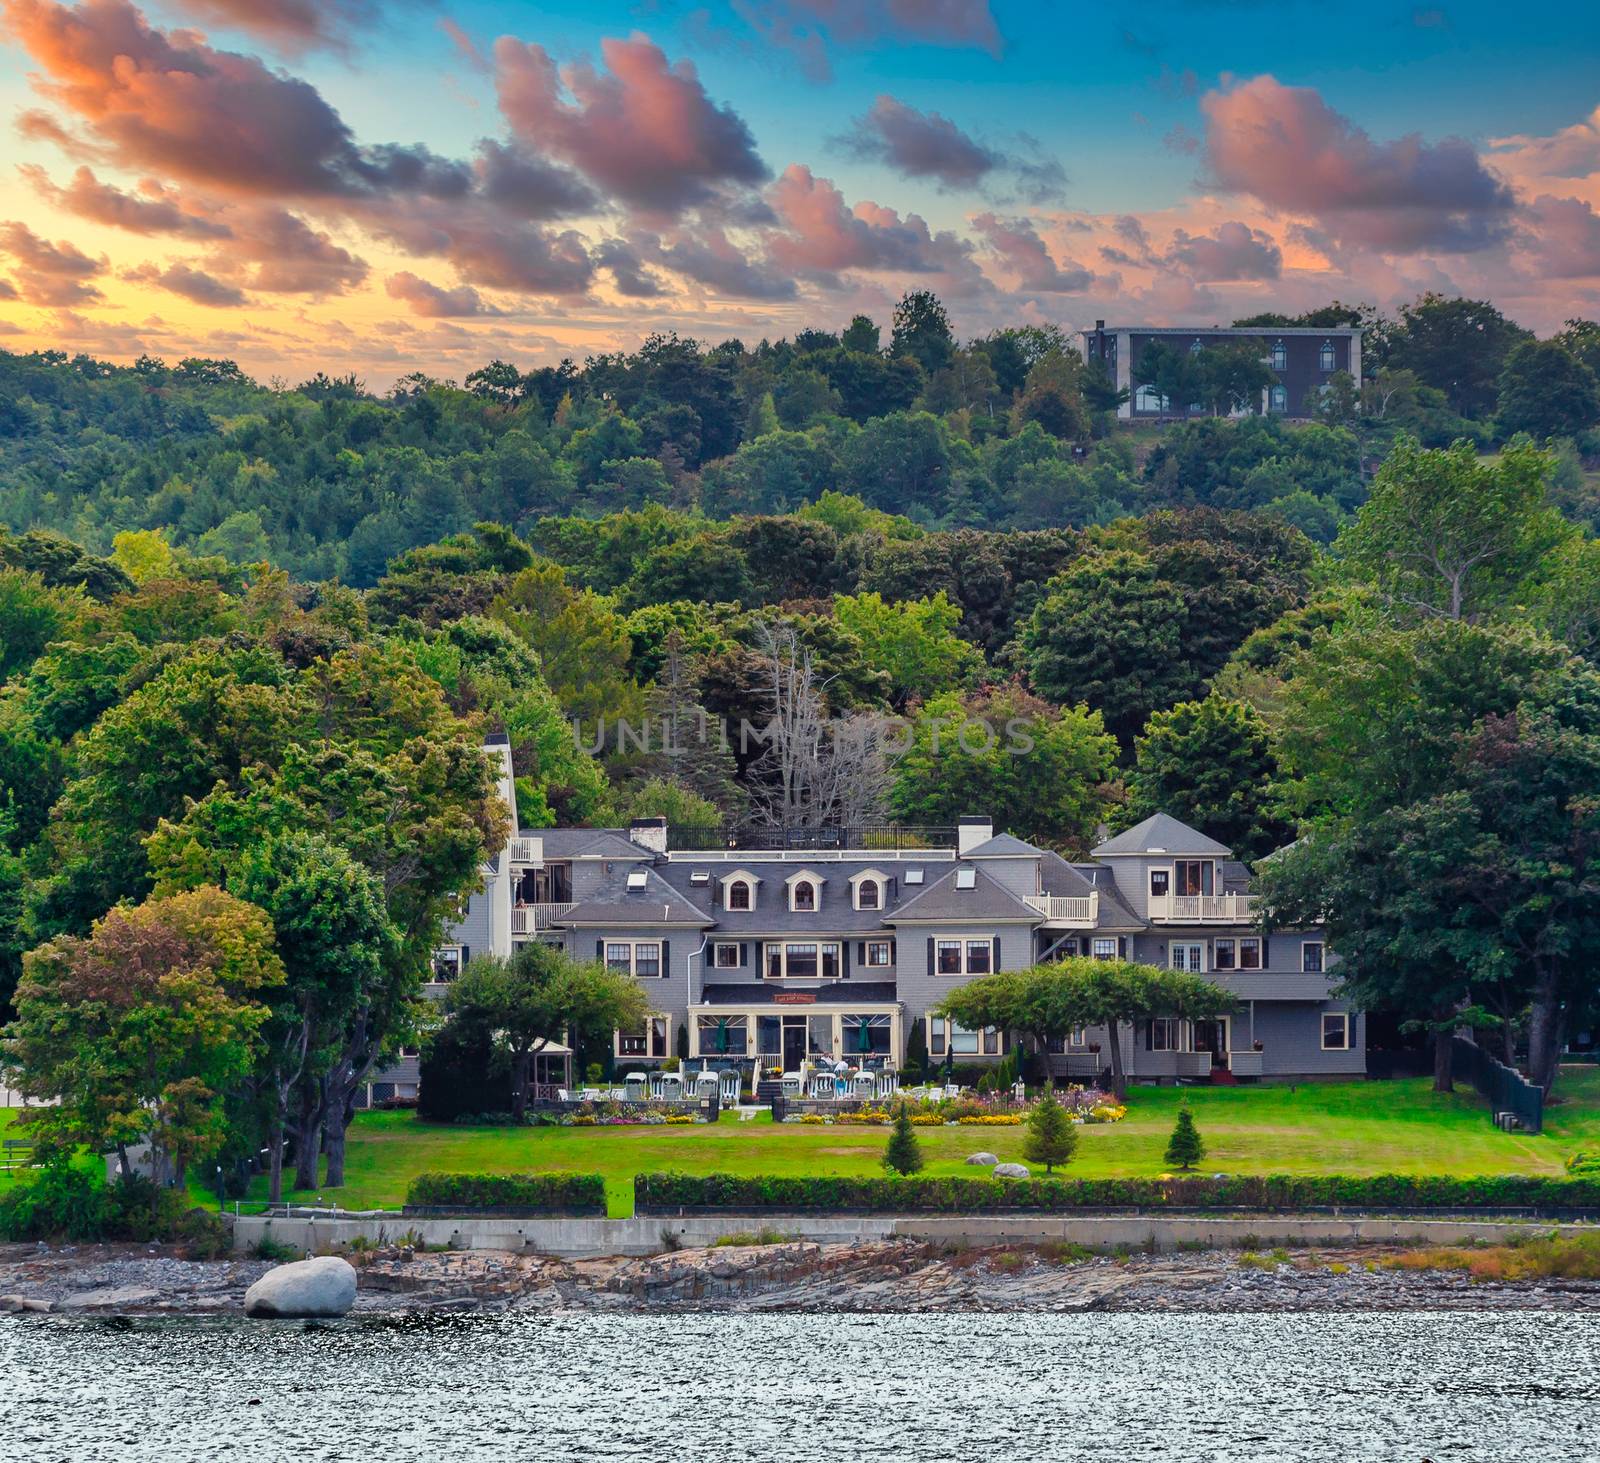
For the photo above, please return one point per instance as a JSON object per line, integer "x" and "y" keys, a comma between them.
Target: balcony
{"x": 1202, "y": 909}
{"x": 1078, "y": 911}
{"x": 525, "y": 851}
{"x": 531, "y": 919}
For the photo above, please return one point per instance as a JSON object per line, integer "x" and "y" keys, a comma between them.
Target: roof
{"x": 658, "y": 903}
{"x": 835, "y": 913}
{"x": 566, "y": 843}
{"x": 828, "y": 993}
{"x": 1241, "y": 330}
{"x": 1003, "y": 845}
{"x": 1160, "y": 833}
{"x": 943, "y": 900}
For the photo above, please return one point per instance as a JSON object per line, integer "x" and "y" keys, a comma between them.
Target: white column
{"x": 1124, "y": 373}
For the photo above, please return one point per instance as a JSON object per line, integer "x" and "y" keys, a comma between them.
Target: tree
{"x": 912, "y": 641}
{"x": 1546, "y": 391}
{"x": 31, "y": 616}
{"x": 1041, "y": 771}
{"x": 860, "y": 335}
{"x": 1185, "y": 1147}
{"x": 922, "y": 330}
{"x": 1443, "y": 533}
{"x": 539, "y": 996}
{"x": 902, "y": 1154}
{"x": 1172, "y": 373}
{"x": 1458, "y": 346}
{"x": 1210, "y": 764}
{"x": 136, "y": 1031}
{"x": 1233, "y": 377}
{"x": 1052, "y": 1136}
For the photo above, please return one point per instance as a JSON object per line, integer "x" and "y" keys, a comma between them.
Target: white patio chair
{"x": 888, "y": 1084}
{"x": 671, "y": 1088}
{"x": 728, "y": 1089}
{"x": 952, "y": 1090}
{"x": 636, "y": 1087}
{"x": 864, "y": 1085}
{"x": 822, "y": 1087}
{"x": 793, "y": 1084}
{"x": 563, "y": 1095}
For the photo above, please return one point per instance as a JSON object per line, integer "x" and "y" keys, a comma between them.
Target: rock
{"x": 988, "y": 1160}
{"x": 23, "y": 1303}
{"x": 1010, "y": 1171}
{"x": 322, "y": 1287}
{"x": 111, "y": 1297}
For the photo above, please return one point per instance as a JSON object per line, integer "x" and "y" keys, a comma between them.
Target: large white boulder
{"x": 325, "y": 1286}
{"x": 1010, "y": 1171}
{"x": 986, "y": 1160}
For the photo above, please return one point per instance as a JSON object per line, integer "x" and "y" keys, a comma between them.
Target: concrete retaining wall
{"x": 588, "y": 1238}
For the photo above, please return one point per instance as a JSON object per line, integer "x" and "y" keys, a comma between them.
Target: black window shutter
{"x": 930, "y": 954}
{"x": 744, "y": 953}
{"x": 666, "y": 959}
{"x": 995, "y": 963}
{"x": 1122, "y": 947}
{"x": 600, "y": 951}
{"x": 844, "y": 959}
{"x": 861, "y": 951}
{"x": 466, "y": 955}
{"x": 1265, "y": 961}
{"x": 1149, "y": 1036}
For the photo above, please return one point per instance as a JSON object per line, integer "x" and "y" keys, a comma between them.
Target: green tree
{"x": 902, "y": 1154}
{"x": 1052, "y": 1136}
{"x": 1458, "y": 346}
{"x": 1233, "y": 377}
{"x": 31, "y": 616}
{"x": 539, "y": 996}
{"x": 1185, "y": 1147}
{"x": 136, "y": 1031}
{"x": 1210, "y": 764}
{"x": 860, "y": 335}
{"x": 912, "y": 641}
{"x": 922, "y": 330}
{"x": 1546, "y": 391}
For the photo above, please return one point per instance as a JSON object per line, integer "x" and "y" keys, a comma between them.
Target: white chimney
{"x": 649, "y": 833}
{"x": 972, "y": 833}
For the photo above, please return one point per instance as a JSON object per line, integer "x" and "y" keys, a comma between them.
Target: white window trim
{"x": 717, "y": 962}
{"x": 1322, "y": 964}
{"x": 966, "y": 970}
{"x": 867, "y": 962}
{"x": 699, "y": 1029}
{"x": 1344, "y": 1017}
{"x": 1177, "y": 945}
{"x": 782, "y": 947}
{"x": 1104, "y": 939}
{"x": 644, "y": 1032}
{"x": 439, "y": 950}
{"x": 740, "y": 876}
{"x": 872, "y": 876}
{"x": 942, "y": 1034}
{"x": 816, "y": 881}
{"x": 1261, "y": 952}
{"x": 633, "y": 958}
{"x": 1180, "y": 1029}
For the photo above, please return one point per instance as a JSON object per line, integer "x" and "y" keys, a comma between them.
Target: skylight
{"x": 913, "y": 876}
{"x": 966, "y": 878}
{"x": 700, "y": 876}
{"x": 637, "y": 879}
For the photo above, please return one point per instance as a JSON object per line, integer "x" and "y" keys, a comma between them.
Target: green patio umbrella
{"x": 722, "y": 1033}
{"x": 864, "y": 1041}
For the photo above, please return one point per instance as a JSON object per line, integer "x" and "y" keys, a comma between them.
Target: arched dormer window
{"x": 739, "y": 890}
{"x": 805, "y": 893}
{"x": 869, "y": 888}
{"x": 1325, "y": 356}
{"x": 1279, "y": 356}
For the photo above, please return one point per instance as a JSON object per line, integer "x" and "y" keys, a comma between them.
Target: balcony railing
{"x": 1196, "y": 909}
{"x": 529, "y": 919}
{"x": 874, "y": 838}
{"x": 525, "y": 850}
{"x": 1068, "y": 909}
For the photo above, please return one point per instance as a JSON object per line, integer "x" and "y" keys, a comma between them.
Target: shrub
{"x": 903, "y": 1153}
{"x": 275, "y": 1250}
{"x": 1185, "y": 1147}
{"x": 992, "y": 1120}
{"x": 1052, "y": 1137}
{"x": 1585, "y": 1163}
{"x": 69, "y": 1203}
{"x": 564, "y": 1193}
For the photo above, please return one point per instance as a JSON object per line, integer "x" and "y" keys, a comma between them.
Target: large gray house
{"x": 757, "y": 948}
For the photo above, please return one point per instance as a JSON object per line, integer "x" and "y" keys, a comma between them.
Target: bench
{"x": 15, "y": 1153}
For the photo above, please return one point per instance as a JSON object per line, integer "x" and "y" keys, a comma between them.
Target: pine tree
{"x": 1052, "y": 1136}
{"x": 903, "y": 1154}
{"x": 1185, "y": 1147}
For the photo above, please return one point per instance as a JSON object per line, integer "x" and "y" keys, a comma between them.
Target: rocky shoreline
{"x": 899, "y": 1275}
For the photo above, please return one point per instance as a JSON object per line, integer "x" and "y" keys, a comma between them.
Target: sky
{"x": 388, "y": 186}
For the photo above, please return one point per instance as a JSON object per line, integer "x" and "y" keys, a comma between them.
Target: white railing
{"x": 529, "y": 919}
{"x": 525, "y": 850}
{"x": 1192, "y": 909}
{"x": 1069, "y": 909}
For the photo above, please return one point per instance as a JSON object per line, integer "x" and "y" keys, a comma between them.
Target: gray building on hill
{"x": 782, "y": 949}
{"x": 1302, "y": 359}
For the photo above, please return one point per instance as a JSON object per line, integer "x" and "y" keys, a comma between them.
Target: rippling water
{"x": 700, "y": 1389}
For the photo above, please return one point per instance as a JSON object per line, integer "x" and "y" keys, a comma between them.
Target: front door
{"x": 1212, "y": 1036}
{"x": 794, "y": 1042}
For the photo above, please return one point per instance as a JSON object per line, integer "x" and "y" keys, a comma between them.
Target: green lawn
{"x": 1352, "y": 1128}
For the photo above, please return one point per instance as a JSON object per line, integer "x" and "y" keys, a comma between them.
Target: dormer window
{"x": 803, "y": 895}
{"x": 870, "y": 889}
{"x": 739, "y": 892}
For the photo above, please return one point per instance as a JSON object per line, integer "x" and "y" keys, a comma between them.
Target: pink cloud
{"x": 46, "y": 273}
{"x": 1016, "y": 246}
{"x": 189, "y": 282}
{"x": 434, "y": 302}
{"x": 1234, "y": 251}
{"x": 920, "y": 144}
{"x": 154, "y": 210}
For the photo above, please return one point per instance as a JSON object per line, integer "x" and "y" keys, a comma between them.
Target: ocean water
{"x": 1398, "y": 1387}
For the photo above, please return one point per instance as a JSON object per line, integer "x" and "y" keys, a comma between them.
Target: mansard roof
{"x": 943, "y": 900}
{"x": 657, "y": 903}
{"x": 1161, "y": 833}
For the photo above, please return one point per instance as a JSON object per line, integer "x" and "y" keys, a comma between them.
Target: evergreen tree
{"x": 903, "y": 1154}
{"x": 1052, "y": 1136}
{"x": 1185, "y": 1147}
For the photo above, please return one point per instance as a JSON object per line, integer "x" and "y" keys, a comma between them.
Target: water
{"x": 706, "y": 1388}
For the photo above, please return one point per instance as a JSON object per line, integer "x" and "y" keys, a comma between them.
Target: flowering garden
{"x": 983, "y": 1110}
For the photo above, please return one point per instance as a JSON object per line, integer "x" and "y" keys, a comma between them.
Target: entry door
{"x": 794, "y": 1042}
{"x": 1212, "y": 1036}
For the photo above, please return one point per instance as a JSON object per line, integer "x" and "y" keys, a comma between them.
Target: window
{"x": 949, "y": 962}
{"x": 1147, "y": 398}
{"x": 738, "y": 895}
{"x": 1279, "y": 398}
{"x": 980, "y": 957}
{"x": 880, "y": 952}
{"x": 1189, "y": 957}
{"x": 1193, "y": 876}
{"x": 1166, "y": 1034}
{"x": 913, "y": 876}
{"x": 447, "y": 962}
{"x": 1279, "y": 357}
{"x": 637, "y": 879}
{"x": 1223, "y": 955}
{"x": 723, "y": 1036}
{"x": 966, "y": 878}
{"x": 802, "y": 960}
{"x": 869, "y": 894}
{"x": 1104, "y": 947}
{"x": 1160, "y": 883}
{"x": 651, "y": 1041}
{"x": 1250, "y": 952}
{"x": 964, "y": 957}
{"x": 803, "y": 896}
{"x": 1325, "y": 356}
{"x": 865, "y": 1035}
{"x": 1336, "y": 1031}
{"x": 963, "y": 1043}
{"x": 725, "y": 956}
{"x": 641, "y": 958}
{"x": 1311, "y": 956}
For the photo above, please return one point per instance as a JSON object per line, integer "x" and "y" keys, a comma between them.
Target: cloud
{"x": 1573, "y": 152}
{"x": 628, "y": 271}
{"x": 291, "y": 26}
{"x": 1286, "y": 147}
{"x": 193, "y": 284}
{"x": 919, "y": 144}
{"x": 46, "y": 273}
{"x": 808, "y": 26}
{"x": 434, "y": 302}
{"x": 531, "y": 186}
{"x": 283, "y": 254}
{"x": 1017, "y": 247}
{"x": 642, "y": 130}
{"x": 1233, "y": 252}
{"x": 8, "y": 291}
{"x": 708, "y": 257}
{"x": 1562, "y": 237}
{"x": 155, "y": 210}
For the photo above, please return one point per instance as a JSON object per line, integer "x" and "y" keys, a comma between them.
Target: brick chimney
{"x": 649, "y": 833}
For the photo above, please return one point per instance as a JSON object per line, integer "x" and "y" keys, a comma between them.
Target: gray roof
{"x": 1003, "y": 845}
{"x": 565, "y": 843}
{"x": 835, "y": 913}
{"x": 658, "y": 903}
{"x": 1160, "y": 833}
{"x": 942, "y": 900}
{"x": 1060, "y": 877}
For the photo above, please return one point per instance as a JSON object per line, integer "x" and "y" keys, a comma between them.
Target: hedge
{"x": 540, "y": 1193}
{"x": 657, "y": 1193}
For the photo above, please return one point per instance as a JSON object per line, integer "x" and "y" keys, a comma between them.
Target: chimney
{"x": 1100, "y": 325}
{"x": 971, "y": 832}
{"x": 649, "y": 833}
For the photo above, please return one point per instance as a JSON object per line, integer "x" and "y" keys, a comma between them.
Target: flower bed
{"x": 508, "y": 1193}
{"x": 670, "y": 1193}
{"x": 1083, "y": 1105}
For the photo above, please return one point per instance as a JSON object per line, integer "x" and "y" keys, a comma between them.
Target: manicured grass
{"x": 1347, "y": 1128}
